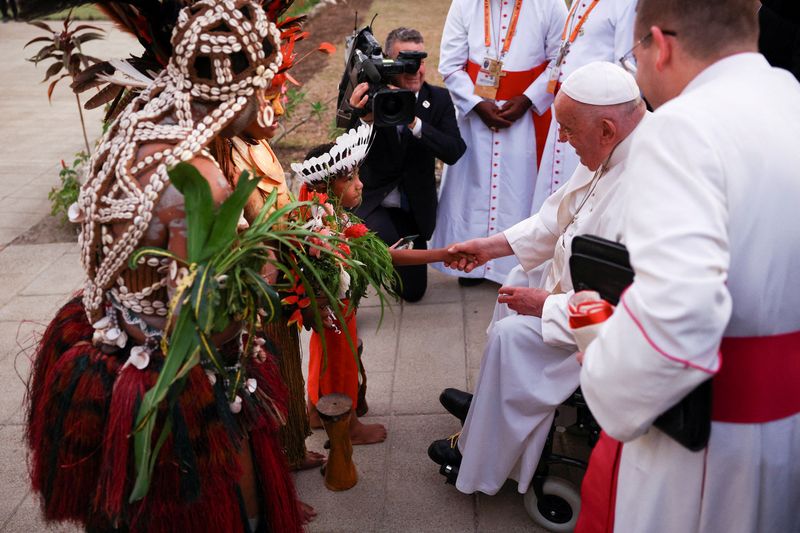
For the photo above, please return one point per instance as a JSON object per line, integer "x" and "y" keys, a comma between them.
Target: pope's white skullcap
{"x": 601, "y": 83}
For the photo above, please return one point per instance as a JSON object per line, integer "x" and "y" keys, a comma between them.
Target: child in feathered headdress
{"x": 330, "y": 178}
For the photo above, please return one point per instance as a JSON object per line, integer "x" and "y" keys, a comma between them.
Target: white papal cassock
{"x": 712, "y": 229}
{"x": 491, "y": 187}
{"x": 606, "y": 35}
{"x": 528, "y": 367}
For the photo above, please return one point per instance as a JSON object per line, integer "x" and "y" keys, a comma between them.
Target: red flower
{"x": 355, "y": 231}
{"x": 327, "y": 48}
{"x": 296, "y": 318}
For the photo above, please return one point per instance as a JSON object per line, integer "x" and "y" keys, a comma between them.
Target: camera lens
{"x": 393, "y": 107}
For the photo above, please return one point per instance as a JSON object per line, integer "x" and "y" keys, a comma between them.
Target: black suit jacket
{"x": 409, "y": 162}
{"x": 779, "y": 38}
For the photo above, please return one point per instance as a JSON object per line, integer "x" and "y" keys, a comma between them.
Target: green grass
{"x": 301, "y": 7}
{"x": 87, "y": 12}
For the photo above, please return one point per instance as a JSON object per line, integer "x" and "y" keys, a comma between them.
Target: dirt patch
{"x": 48, "y": 230}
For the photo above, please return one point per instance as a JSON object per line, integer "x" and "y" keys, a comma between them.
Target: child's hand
{"x": 459, "y": 260}
{"x": 465, "y": 256}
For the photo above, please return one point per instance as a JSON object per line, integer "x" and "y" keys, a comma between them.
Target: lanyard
{"x": 571, "y": 19}
{"x": 512, "y": 26}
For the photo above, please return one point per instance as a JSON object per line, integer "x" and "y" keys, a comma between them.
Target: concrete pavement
{"x": 420, "y": 349}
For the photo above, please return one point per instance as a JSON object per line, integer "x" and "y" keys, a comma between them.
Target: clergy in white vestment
{"x": 595, "y": 30}
{"x": 711, "y": 225}
{"x": 494, "y": 57}
{"x": 528, "y": 367}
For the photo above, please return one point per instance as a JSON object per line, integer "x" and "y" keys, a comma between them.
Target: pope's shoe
{"x": 456, "y": 402}
{"x": 445, "y": 451}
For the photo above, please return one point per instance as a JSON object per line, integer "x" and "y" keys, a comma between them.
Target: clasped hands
{"x": 497, "y": 118}
{"x": 468, "y": 255}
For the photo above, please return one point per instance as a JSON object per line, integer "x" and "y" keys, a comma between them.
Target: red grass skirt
{"x": 80, "y": 413}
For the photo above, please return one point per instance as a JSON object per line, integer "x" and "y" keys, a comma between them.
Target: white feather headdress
{"x": 346, "y": 154}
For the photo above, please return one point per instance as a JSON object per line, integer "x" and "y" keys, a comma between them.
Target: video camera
{"x": 366, "y": 63}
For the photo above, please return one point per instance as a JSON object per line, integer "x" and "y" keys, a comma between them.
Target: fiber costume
{"x": 102, "y": 351}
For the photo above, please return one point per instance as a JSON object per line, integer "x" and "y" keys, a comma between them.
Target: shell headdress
{"x": 223, "y": 52}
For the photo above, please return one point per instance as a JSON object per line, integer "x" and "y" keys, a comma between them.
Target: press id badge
{"x": 488, "y": 79}
{"x": 555, "y": 70}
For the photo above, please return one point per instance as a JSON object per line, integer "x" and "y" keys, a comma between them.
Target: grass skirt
{"x": 81, "y": 408}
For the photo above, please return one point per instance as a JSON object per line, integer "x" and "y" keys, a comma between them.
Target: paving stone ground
{"x": 419, "y": 350}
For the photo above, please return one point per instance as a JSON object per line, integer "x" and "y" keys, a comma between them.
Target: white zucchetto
{"x": 601, "y": 83}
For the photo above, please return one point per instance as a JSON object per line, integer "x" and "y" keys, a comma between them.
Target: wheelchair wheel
{"x": 558, "y": 509}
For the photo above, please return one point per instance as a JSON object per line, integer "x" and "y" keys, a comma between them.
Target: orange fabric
{"x": 340, "y": 374}
{"x": 514, "y": 83}
{"x": 599, "y": 487}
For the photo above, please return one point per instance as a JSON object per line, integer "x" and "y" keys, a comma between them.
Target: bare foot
{"x": 307, "y": 513}
{"x": 313, "y": 417}
{"x": 361, "y": 433}
{"x": 311, "y": 460}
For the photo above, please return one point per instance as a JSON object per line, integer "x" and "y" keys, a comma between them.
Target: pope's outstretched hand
{"x": 467, "y": 255}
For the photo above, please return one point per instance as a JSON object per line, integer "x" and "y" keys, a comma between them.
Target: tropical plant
{"x": 222, "y": 284}
{"x": 63, "y": 196}
{"x": 293, "y": 98}
{"x": 64, "y": 48}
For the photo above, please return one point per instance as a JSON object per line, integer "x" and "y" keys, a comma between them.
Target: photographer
{"x": 399, "y": 197}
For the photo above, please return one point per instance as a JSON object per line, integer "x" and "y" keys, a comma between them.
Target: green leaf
{"x": 38, "y": 40}
{"x": 225, "y": 223}
{"x": 54, "y": 69}
{"x": 209, "y": 351}
{"x": 86, "y": 27}
{"x": 42, "y": 25}
{"x": 86, "y": 37}
{"x": 269, "y": 299}
{"x": 199, "y": 208}
{"x": 205, "y": 297}
{"x": 183, "y": 345}
{"x": 43, "y": 53}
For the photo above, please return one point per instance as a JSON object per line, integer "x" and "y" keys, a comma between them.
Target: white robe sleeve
{"x": 555, "y": 321}
{"x": 663, "y": 339}
{"x": 623, "y": 32}
{"x": 537, "y": 91}
{"x": 534, "y": 239}
{"x": 453, "y": 57}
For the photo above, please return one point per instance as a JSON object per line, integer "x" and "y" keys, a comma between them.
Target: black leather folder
{"x": 604, "y": 266}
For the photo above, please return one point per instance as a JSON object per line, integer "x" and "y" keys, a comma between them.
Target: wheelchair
{"x": 552, "y": 501}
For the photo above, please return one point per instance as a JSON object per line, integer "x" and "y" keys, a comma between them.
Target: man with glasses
{"x": 711, "y": 226}
{"x": 528, "y": 367}
{"x": 594, "y": 31}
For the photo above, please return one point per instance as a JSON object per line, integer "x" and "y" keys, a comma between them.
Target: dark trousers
{"x": 779, "y": 40}
{"x": 4, "y": 7}
{"x": 391, "y": 224}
